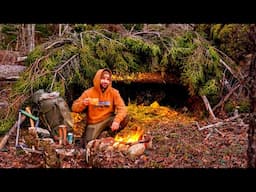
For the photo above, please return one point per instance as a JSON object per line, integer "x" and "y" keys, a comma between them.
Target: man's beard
{"x": 103, "y": 88}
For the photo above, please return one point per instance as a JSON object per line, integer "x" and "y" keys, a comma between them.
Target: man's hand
{"x": 86, "y": 101}
{"x": 115, "y": 126}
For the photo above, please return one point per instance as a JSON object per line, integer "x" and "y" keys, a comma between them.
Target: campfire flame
{"x": 129, "y": 135}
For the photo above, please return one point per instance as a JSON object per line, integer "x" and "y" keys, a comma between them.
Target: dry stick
{"x": 96, "y": 32}
{"x": 57, "y": 70}
{"x": 197, "y": 124}
{"x": 149, "y": 32}
{"x": 223, "y": 81}
{"x": 34, "y": 66}
{"x": 5, "y": 139}
{"x": 212, "y": 125}
{"x": 59, "y": 42}
{"x": 230, "y": 70}
{"x": 132, "y": 29}
{"x": 60, "y": 27}
{"x": 208, "y": 106}
{"x": 63, "y": 65}
{"x": 226, "y": 97}
{"x": 11, "y": 105}
{"x": 81, "y": 39}
{"x": 28, "y": 150}
{"x": 218, "y": 123}
{"x": 227, "y": 84}
{"x": 215, "y": 125}
{"x": 209, "y": 134}
{"x": 65, "y": 29}
{"x": 219, "y": 132}
{"x": 53, "y": 80}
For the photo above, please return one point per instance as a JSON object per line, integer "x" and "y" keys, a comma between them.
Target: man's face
{"x": 105, "y": 80}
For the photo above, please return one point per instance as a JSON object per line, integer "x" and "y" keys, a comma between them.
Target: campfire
{"x": 130, "y": 141}
{"x": 131, "y": 135}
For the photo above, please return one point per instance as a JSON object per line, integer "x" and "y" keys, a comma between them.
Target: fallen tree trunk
{"x": 10, "y": 72}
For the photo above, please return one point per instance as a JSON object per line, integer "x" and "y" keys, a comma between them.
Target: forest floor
{"x": 177, "y": 142}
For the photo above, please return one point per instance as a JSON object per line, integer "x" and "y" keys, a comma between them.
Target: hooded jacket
{"x": 110, "y": 102}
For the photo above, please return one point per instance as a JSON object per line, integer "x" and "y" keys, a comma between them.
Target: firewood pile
{"x": 126, "y": 149}
{"x": 52, "y": 154}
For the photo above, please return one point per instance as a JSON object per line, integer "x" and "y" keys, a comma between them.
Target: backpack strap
{"x": 64, "y": 110}
{"x": 46, "y": 122}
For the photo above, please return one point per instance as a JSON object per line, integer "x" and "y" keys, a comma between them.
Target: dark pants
{"x": 92, "y": 131}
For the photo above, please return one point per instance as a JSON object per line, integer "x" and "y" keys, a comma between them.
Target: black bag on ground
{"x": 52, "y": 111}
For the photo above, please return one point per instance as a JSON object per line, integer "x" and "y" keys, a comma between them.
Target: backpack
{"x": 52, "y": 111}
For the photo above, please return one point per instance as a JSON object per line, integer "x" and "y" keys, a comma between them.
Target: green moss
{"x": 6, "y": 124}
{"x": 244, "y": 106}
{"x": 209, "y": 88}
{"x": 229, "y": 106}
{"x": 138, "y": 46}
{"x": 35, "y": 54}
{"x": 215, "y": 30}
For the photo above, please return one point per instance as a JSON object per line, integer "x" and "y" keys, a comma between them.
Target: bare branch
{"x": 218, "y": 124}
{"x": 208, "y": 106}
{"x": 229, "y": 69}
{"x": 64, "y": 64}
{"x": 147, "y": 32}
{"x": 59, "y": 43}
{"x": 226, "y": 97}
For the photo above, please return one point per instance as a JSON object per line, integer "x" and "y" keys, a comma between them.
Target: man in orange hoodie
{"x": 103, "y": 105}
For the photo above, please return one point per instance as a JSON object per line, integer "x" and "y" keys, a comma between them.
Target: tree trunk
{"x": 30, "y": 37}
{"x": 60, "y": 29}
{"x": 26, "y": 38}
{"x": 251, "y": 151}
{"x": 21, "y": 42}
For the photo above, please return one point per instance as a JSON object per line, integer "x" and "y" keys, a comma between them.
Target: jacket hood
{"x": 96, "y": 79}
